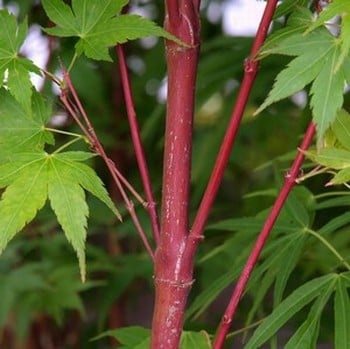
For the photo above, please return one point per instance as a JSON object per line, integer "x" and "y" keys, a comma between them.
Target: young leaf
{"x": 198, "y": 340}
{"x": 67, "y": 199}
{"x": 22, "y": 199}
{"x": 11, "y": 39}
{"x": 128, "y": 336}
{"x": 99, "y": 25}
{"x": 21, "y": 130}
{"x": 331, "y": 157}
{"x": 341, "y": 128}
{"x": 342, "y": 315}
{"x": 85, "y": 176}
{"x": 327, "y": 93}
{"x": 31, "y": 178}
{"x": 303, "y": 69}
{"x": 290, "y": 306}
{"x": 317, "y": 60}
{"x": 333, "y": 9}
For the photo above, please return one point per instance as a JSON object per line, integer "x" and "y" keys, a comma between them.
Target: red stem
{"x": 289, "y": 182}
{"x": 250, "y": 71}
{"x": 173, "y": 279}
{"x": 98, "y": 148}
{"x": 139, "y": 151}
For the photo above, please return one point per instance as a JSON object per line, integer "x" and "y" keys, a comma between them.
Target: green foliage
{"x": 302, "y": 276}
{"x": 335, "y": 158}
{"x": 98, "y": 25}
{"x": 136, "y": 337}
{"x": 17, "y": 68}
{"x": 320, "y": 60}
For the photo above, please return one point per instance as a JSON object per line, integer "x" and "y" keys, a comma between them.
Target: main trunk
{"x": 173, "y": 279}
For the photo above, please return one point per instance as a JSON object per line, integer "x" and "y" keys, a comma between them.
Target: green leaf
{"x": 198, "y": 340}
{"x": 86, "y": 176}
{"x": 320, "y": 60}
{"x": 11, "y": 39}
{"x": 343, "y": 176}
{"x": 31, "y": 178}
{"x": 286, "y": 309}
{"x": 21, "y": 130}
{"x": 67, "y": 199}
{"x": 22, "y": 199}
{"x": 130, "y": 337}
{"x": 303, "y": 69}
{"x": 331, "y": 157}
{"x": 342, "y": 316}
{"x": 306, "y": 335}
{"x": 341, "y": 128}
{"x": 327, "y": 93}
{"x": 288, "y": 6}
{"x": 99, "y": 25}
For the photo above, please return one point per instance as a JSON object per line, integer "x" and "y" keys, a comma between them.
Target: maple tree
{"x": 42, "y": 163}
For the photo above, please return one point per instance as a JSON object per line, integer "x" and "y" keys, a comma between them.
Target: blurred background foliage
{"x": 43, "y": 303}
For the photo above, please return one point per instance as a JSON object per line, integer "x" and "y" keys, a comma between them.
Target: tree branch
{"x": 289, "y": 182}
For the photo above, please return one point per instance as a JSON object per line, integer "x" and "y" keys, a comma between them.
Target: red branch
{"x": 250, "y": 71}
{"x": 90, "y": 133}
{"x": 172, "y": 278}
{"x": 135, "y": 135}
{"x": 289, "y": 182}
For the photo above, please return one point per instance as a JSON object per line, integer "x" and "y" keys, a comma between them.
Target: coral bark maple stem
{"x": 172, "y": 278}
{"x": 136, "y": 138}
{"x": 289, "y": 182}
{"x": 250, "y": 71}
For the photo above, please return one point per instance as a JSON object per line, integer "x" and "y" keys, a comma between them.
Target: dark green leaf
{"x": 342, "y": 315}
{"x": 287, "y": 308}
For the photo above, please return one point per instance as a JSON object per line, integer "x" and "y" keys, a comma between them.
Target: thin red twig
{"x": 136, "y": 138}
{"x": 90, "y": 133}
{"x": 289, "y": 182}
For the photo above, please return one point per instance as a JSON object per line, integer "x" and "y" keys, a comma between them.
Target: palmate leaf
{"x": 288, "y": 308}
{"x": 99, "y": 25}
{"x": 31, "y": 178}
{"x": 335, "y": 8}
{"x": 306, "y": 335}
{"x": 11, "y": 39}
{"x": 317, "y": 62}
{"x": 22, "y": 130}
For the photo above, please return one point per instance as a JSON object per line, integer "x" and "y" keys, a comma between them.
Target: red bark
{"x": 173, "y": 278}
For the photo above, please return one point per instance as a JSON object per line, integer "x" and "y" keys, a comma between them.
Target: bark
{"x": 173, "y": 277}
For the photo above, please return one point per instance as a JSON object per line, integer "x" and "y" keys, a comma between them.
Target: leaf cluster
{"x": 322, "y": 60}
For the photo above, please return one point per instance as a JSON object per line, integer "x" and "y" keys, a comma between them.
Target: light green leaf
{"x": 22, "y": 199}
{"x": 11, "y": 39}
{"x": 32, "y": 177}
{"x": 129, "y": 336}
{"x": 198, "y": 340}
{"x": 331, "y": 157}
{"x": 20, "y": 130}
{"x": 343, "y": 176}
{"x": 327, "y": 93}
{"x": 288, "y": 6}
{"x": 99, "y": 25}
{"x": 341, "y": 128}
{"x": 86, "y": 177}
{"x": 299, "y": 72}
{"x": 342, "y": 315}
{"x": 336, "y": 7}
{"x": 286, "y": 309}
{"x": 67, "y": 199}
